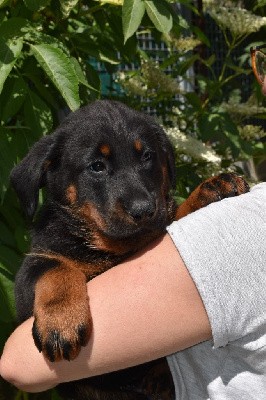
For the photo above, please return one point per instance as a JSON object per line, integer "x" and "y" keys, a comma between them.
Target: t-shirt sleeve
{"x": 223, "y": 247}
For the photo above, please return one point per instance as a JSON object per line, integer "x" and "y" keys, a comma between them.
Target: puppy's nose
{"x": 141, "y": 210}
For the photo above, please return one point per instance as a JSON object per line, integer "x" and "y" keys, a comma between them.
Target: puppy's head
{"x": 112, "y": 166}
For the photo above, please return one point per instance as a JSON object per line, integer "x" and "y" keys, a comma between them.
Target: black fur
{"x": 109, "y": 172}
{"x": 129, "y": 187}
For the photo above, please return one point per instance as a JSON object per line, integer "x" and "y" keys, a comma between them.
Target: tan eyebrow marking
{"x": 71, "y": 194}
{"x": 105, "y": 150}
{"x": 138, "y": 145}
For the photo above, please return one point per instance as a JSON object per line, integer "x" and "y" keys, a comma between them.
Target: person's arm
{"x": 143, "y": 309}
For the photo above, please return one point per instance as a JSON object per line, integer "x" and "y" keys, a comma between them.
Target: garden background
{"x": 185, "y": 62}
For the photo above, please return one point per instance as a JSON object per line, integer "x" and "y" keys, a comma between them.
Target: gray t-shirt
{"x": 224, "y": 249}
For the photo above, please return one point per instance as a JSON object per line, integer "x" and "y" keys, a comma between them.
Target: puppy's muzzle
{"x": 141, "y": 210}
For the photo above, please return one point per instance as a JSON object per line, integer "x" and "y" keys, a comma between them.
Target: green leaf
{"x": 7, "y": 303}
{"x": 132, "y": 14}
{"x": 20, "y": 141}
{"x": 201, "y": 36}
{"x": 93, "y": 78}
{"x": 36, "y": 5}
{"x": 159, "y": 14}
{"x": 67, "y": 6}
{"x": 81, "y": 77}
{"x": 9, "y": 52}
{"x": 107, "y": 57}
{"x": 3, "y": 3}
{"x": 260, "y": 3}
{"x": 194, "y": 100}
{"x": 6, "y": 161}
{"x": 44, "y": 91}
{"x": 183, "y": 66}
{"x": 38, "y": 115}
{"x": 55, "y": 395}
{"x": 219, "y": 128}
{"x": 182, "y": 22}
{"x": 7, "y": 236}
{"x": 6, "y": 390}
{"x": 36, "y": 36}
{"x": 15, "y": 98}
{"x": 14, "y": 28}
{"x": 61, "y": 72}
{"x": 9, "y": 261}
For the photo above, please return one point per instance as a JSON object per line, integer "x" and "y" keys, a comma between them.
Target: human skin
{"x": 143, "y": 309}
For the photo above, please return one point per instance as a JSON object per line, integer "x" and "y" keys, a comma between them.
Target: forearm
{"x": 143, "y": 309}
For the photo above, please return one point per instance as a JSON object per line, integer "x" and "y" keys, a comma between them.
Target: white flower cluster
{"x": 233, "y": 17}
{"x": 251, "y": 132}
{"x": 182, "y": 44}
{"x": 113, "y": 2}
{"x": 149, "y": 81}
{"x": 240, "y": 111}
{"x": 192, "y": 147}
{"x": 224, "y": 3}
{"x": 132, "y": 84}
{"x": 157, "y": 80}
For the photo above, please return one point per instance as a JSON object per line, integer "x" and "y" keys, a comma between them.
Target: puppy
{"x": 109, "y": 174}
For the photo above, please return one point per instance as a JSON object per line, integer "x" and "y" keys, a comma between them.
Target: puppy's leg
{"x": 61, "y": 310}
{"x": 212, "y": 190}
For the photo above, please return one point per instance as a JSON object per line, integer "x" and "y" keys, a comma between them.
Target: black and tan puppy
{"x": 109, "y": 172}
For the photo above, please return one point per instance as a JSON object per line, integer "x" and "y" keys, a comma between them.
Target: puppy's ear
{"x": 169, "y": 156}
{"x": 29, "y": 175}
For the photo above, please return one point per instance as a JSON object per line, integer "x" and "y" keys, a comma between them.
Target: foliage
{"x": 48, "y": 53}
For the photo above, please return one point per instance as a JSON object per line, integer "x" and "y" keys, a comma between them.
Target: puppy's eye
{"x": 147, "y": 156}
{"x": 97, "y": 166}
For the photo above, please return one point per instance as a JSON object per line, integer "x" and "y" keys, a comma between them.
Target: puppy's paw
{"x": 220, "y": 187}
{"x": 62, "y": 314}
{"x": 212, "y": 190}
{"x": 59, "y": 333}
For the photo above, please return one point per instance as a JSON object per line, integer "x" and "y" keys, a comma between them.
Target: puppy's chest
{"x": 75, "y": 252}
{"x": 75, "y": 245}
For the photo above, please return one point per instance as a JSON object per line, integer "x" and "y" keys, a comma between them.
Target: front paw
{"x": 212, "y": 190}
{"x": 220, "y": 187}
{"x": 61, "y": 311}
{"x": 60, "y": 336}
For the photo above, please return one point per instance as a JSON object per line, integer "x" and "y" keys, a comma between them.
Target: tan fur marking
{"x": 138, "y": 145}
{"x": 71, "y": 194}
{"x": 204, "y": 194}
{"x": 105, "y": 150}
{"x": 62, "y": 305}
{"x": 199, "y": 198}
{"x": 89, "y": 213}
{"x": 88, "y": 269}
{"x": 118, "y": 247}
{"x": 122, "y": 246}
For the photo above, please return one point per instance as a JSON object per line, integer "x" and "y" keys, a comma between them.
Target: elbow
{"x": 12, "y": 374}
{"x": 24, "y": 369}
{"x": 8, "y": 373}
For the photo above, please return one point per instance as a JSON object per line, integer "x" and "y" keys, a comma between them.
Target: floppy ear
{"x": 169, "y": 155}
{"x": 29, "y": 175}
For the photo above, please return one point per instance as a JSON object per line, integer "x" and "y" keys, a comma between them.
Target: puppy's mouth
{"x": 126, "y": 226}
{"x": 123, "y": 239}
{"x": 117, "y": 226}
